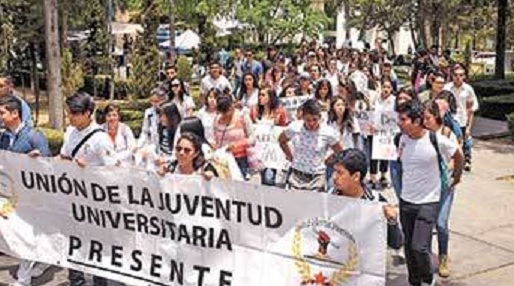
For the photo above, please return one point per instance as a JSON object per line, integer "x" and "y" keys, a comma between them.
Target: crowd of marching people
{"x": 323, "y": 140}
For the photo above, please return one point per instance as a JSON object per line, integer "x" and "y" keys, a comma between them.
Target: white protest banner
{"x": 386, "y": 123}
{"x": 141, "y": 229}
{"x": 267, "y": 148}
{"x": 291, "y": 104}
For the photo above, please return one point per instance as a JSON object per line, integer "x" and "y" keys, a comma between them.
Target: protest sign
{"x": 291, "y": 104}
{"x": 141, "y": 229}
{"x": 365, "y": 120}
{"x": 267, "y": 148}
{"x": 386, "y": 123}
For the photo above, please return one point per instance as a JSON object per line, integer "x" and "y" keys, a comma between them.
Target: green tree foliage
{"x": 185, "y": 71}
{"x": 145, "y": 57}
{"x": 72, "y": 74}
{"x": 276, "y": 20}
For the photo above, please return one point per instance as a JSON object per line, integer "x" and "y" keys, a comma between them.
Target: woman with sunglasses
{"x": 190, "y": 158}
{"x": 179, "y": 96}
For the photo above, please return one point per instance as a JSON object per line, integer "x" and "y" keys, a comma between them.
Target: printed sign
{"x": 142, "y": 229}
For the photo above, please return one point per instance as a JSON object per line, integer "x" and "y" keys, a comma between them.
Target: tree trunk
{"x": 421, "y": 23}
{"x": 53, "y": 57}
{"x": 501, "y": 36}
{"x": 413, "y": 34}
{"x": 34, "y": 78}
{"x": 172, "y": 29}
{"x": 347, "y": 27}
{"x": 64, "y": 29}
{"x": 390, "y": 35}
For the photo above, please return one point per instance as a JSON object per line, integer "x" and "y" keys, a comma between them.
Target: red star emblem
{"x": 320, "y": 279}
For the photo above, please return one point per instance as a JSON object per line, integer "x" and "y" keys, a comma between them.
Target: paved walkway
{"x": 482, "y": 228}
{"x": 485, "y": 128}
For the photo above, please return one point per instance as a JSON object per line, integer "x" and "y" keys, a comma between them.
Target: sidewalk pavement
{"x": 482, "y": 229}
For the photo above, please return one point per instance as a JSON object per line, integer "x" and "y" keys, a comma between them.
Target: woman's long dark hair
{"x": 432, "y": 107}
{"x": 347, "y": 120}
{"x": 273, "y": 103}
{"x": 330, "y": 91}
{"x": 449, "y": 97}
{"x": 170, "y": 110}
{"x": 199, "y": 161}
{"x": 242, "y": 90}
{"x": 182, "y": 94}
{"x": 194, "y": 125}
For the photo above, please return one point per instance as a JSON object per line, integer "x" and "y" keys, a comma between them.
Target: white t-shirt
{"x": 463, "y": 95}
{"x": 149, "y": 134}
{"x": 185, "y": 105}
{"x": 124, "y": 143}
{"x": 207, "y": 119}
{"x": 310, "y": 147}
{"x": 421, "y": 176}
{"x": 98, "y": 150}
{"x": 220, "y": 83}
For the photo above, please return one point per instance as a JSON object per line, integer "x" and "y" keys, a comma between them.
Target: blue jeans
{"x": 329, "y": 172}
{"x": 243, "y": 166}
{"x": 443, "y": 233}
{"x": 395, "y": 171}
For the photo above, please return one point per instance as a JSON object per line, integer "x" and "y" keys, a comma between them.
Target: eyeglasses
{"x": 186, "y": 150}
{"x": 249, "y": 55}
{"x": 175, "y": 85}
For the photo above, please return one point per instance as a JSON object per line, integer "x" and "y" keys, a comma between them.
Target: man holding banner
{"x": 88, "y": 145}
{"x": 20, "y": 137}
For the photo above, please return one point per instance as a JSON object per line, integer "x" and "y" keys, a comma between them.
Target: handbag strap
{"x": 83, "y": 141}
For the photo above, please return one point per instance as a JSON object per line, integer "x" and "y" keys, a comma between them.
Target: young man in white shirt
{"x": 421, "y": 188}
{"x": 88, "y": 145}
{"x": 214, "y": 80}
{"x": 467, "y": 105}
{"x": 311, "y": 140}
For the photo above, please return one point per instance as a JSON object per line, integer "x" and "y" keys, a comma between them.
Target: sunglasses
{"x": 186, "y": 150}
{"x": 175, "y": 85}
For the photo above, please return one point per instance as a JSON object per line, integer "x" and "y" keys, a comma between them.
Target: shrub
{"x": 497, "y": 107}
{"x": 184, "y": 69}
{"x": 100, "y": 82}
{"x": 510, "y": 122}
{"x": 55, "y": 139}
{"x": 135, "y": 126}
{"x": 489, "y": 88}
{"x": 138, "y": 105}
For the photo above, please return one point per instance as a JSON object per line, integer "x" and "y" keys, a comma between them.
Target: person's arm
{"x": 128, "y": 136}
{"x": 471, "y": 107}
{"x": 145, "y": 130}
{"x": 41, "y": 147}
{"x": 250, "y": 136}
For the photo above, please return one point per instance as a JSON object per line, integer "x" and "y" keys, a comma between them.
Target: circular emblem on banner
{"x": 8, "y": 196}
{"x": 326, "y": 254}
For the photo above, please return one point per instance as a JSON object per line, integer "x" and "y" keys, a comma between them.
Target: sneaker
{"x": 444, "y": 269}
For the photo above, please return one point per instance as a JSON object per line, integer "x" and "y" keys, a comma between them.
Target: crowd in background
{"x": 325, "y": 145}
